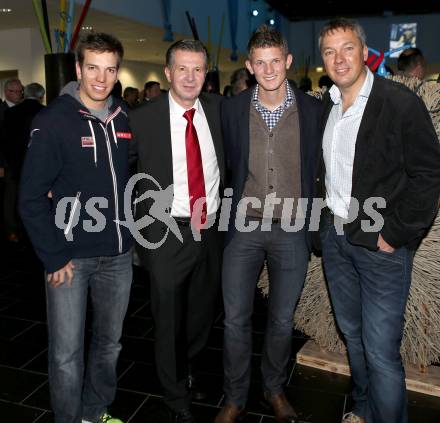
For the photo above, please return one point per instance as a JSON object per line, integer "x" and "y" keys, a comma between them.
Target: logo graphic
{"x": 125, "y": 135}
{"x": 87, "y": 142}
{"x": 156, "y": 203}
{"x": 159, "y": 210}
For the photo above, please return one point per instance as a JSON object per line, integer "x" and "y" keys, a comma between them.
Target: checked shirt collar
{"x": 272, "y": 118}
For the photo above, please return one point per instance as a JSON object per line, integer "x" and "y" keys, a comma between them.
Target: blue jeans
{"x": 75, "y": 393}
{"x": 368, "y": 291}
{"x": 287, "y": 258}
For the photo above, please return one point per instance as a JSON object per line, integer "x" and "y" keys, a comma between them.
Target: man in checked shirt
{"x": 271, "y": 136}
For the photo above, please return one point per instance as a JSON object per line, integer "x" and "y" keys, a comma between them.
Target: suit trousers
{"x": 185, "y": 279}
{"x": 287, "y": 258}
{"x": 10, "y": 204}
{"x": 369, "y": 291}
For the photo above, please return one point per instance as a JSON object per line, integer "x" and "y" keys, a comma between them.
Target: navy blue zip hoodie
{"x": 75, "y": 156}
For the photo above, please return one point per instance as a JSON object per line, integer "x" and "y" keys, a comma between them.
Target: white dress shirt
{"x": 339, "y": 143}
{"x": 180, "y": 206}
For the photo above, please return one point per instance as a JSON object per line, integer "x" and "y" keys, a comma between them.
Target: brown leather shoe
{"x": 230, "y": 413}
{"x": 283, "y": 411}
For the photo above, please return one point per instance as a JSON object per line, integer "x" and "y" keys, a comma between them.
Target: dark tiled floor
{"x": 319, "y": 397}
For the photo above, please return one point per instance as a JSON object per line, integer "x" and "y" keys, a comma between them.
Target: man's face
{"x": 14, "y": 92}
{"x": 98, "y": 75}
{"x": 344, "y": 58}
{"x": 153, "y": 91}
{"x": 269, "y": 65}
{"x": 186, "y": 76}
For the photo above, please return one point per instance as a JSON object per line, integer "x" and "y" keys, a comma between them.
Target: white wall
{"x": 28, "y": 59}
{"x": 136, "y": 74}
{"x": 22, "y": 49}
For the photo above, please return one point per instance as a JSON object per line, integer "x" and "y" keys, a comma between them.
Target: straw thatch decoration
{"x": 428, "y": 91}
{"x": 421, "y": 338}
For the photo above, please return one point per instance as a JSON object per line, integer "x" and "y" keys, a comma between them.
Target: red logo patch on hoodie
{"x": 124, "y": 135}
{"x": 87, "y": 142}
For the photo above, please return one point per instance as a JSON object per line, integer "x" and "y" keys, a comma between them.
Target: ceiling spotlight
{"x": 5, "y": 10}
{"x": 87, "y": 28}
{"x": 141, "y": 40}
{"x": 255, "y": 12}
{"x": 272, "y": 21}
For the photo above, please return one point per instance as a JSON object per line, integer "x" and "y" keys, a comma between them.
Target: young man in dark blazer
{"x": 271, "y": 134}
{"x": 183, "y": 260}
{"x": 380, "y": 177}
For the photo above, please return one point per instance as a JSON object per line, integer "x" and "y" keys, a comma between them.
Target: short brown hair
{"x": 194, "y": 46}
{"x": 100, "y": 42}
{"x": 265, "y": 37}
{"x": 343, "y": 23}
{"x": 409, "y": 59}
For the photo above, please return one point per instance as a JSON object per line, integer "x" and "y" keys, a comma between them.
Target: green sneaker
{"x": 106, "y": 418}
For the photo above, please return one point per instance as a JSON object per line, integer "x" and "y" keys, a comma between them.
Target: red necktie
{"x": 196, "y": 180}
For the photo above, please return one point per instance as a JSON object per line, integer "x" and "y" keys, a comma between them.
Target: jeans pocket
{"x": 394, "y": 257}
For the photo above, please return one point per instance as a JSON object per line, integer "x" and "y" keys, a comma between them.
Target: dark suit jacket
{"x": 397, "y": 157}
{"x": 14, "y": 134}
{"x": 150, "y": 124}
{"x": 235, "y": 122}
{"x": 3, "y": 107}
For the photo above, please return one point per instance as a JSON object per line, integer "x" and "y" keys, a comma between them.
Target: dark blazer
{"x": 235, "y": 123}
{"x": 150, "y": 124}
{"x": 397, "y": 157}
{"x": 15, "y": 132}
{"x": 3, "y": 107}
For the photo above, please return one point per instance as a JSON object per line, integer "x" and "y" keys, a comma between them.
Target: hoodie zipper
{"x": 72, "y": 213}
{"x": 115, "y": 186}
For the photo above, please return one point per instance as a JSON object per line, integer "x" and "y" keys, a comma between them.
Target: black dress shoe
{"x": 184, "y": 416}
{"x": 196, "y": 391}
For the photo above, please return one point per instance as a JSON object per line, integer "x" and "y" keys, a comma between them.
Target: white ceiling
{"x": 127, "y": 31}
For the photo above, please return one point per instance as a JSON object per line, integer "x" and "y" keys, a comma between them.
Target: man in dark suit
{"x": 380, "y": 177}
{"x": 13, "y": 95}
{"x": 271, "y": 134}
{"x": 14, "y": 135}
{"x": 180, "y": 146}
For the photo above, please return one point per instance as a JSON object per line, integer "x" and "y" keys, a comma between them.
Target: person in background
{"x": 325, "y": 82}
{"x": 412, "y": 63}
{"x": 13, "y": 91}
{"x": 117, "y": 90}
{"x": 239, "y": 81}
{"x": 15, "y": 134}
{"x": 131, "y": 97}
{"x": 151, "y": 90}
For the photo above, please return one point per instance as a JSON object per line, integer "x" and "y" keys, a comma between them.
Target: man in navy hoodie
{"x": 71, "y": 203}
